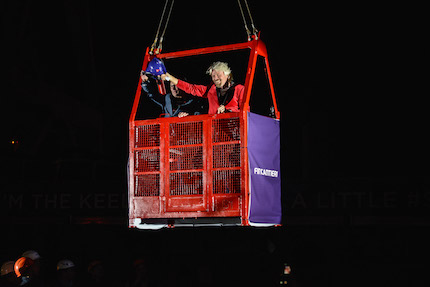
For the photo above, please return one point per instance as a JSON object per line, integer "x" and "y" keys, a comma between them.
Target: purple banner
{"x": 265, "y": 169}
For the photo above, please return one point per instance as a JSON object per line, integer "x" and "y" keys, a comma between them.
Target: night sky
{"x": 353, "y": 152}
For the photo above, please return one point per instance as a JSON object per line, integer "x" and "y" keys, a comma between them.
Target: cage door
{"x": 185, "y": 180}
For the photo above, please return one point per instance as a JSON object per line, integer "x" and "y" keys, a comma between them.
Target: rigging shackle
{"x": 154, "y": 47}
{"x": 254, "y": 30}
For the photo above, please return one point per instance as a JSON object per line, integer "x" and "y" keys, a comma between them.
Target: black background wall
{"x": 355, "y": 180}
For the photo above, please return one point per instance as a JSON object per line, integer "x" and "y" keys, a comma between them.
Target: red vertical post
{"x": 272, "y": 90}
{"x": 250, "y": 75}
{"x": 245, "y": 168}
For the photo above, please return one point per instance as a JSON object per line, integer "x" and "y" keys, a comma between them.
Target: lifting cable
{"x": 254, "y": 30}
{"x": 157, "y": 49}
{"x": 160, "y": 44}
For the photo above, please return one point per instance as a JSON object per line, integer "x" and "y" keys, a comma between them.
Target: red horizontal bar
{"x": 146, "y": 147}
{"x": 208, "y": 50}
{"x": 185, "y": 145}
{"x": 185, "y": 170}
{"x": 227, "y": 142}
{"x": 146, "y": 172}
{"x": 227, "y": 168}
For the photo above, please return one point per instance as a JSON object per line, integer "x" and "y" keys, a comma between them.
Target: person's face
{"x": 174, "y": 90}
{"x": 219, "y": 78}
{"x": 67, "y": 274}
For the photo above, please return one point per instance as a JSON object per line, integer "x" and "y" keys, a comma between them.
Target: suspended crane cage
{"x": 220, "y": 169}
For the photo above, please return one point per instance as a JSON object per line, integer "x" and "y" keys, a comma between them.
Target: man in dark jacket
{"x": 173, "y": 104}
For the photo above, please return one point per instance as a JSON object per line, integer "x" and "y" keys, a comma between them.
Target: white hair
{"x": 219, "y": 66}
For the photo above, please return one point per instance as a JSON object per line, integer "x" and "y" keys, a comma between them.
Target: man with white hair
{"x": 223, "y": 95}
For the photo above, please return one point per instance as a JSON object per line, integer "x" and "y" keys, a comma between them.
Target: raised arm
{"x": 195, "y": 90}
{"x": 150, "y": 91}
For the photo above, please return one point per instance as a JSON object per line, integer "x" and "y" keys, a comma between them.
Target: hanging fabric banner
{"x": 264, "y": 169}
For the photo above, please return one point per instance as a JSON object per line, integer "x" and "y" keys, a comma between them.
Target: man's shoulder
{"x": 239, "y": 88}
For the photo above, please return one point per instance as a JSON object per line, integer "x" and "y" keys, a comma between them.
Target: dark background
{"x": 356, "y": 192}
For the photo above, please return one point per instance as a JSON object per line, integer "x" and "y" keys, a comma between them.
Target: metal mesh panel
{"x": 186, "y": 158}
{"x": 226, "y": 155}
{"x": 186, "y": 133}
{"x": 225, "y": 130}
{"x": 147, "y": 185}
{"x": 186, "y": 183}
{"x": 147, "y": 160}
{"x": 226, "y": 181}
{"x": 147, "y": 135}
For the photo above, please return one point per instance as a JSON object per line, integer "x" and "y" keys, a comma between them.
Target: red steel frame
{"x": 209, "y": 204}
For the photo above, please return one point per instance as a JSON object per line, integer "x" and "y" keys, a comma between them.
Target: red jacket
{"x": 201, "y": 91}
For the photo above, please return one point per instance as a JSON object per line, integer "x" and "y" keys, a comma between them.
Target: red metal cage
{"x": 193, "y": 170}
